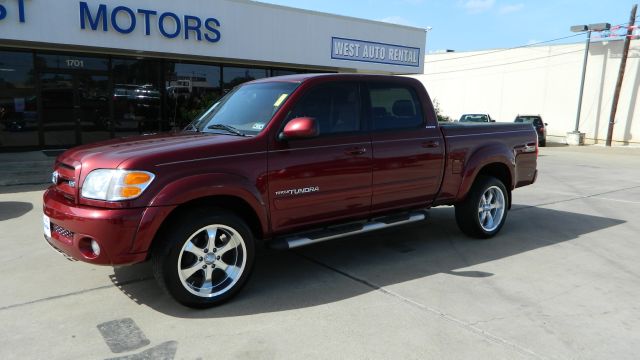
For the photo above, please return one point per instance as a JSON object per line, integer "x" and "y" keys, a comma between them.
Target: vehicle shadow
{"x": 13, "y": 209}
{"x": 342, "y": 269}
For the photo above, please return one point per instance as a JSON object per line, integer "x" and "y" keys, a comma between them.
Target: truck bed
{"x": 466, "y": 145}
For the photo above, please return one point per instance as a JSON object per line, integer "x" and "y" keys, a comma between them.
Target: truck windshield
{"x": 246, "y": 110}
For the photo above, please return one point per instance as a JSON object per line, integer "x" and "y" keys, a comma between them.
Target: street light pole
{"x": 584, "y": 75}
{"x": 426, "y": 38}
{"x": 576, "y": 137}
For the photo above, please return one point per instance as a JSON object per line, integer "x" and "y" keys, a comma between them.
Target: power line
{"x": 518, "y": 47}
{"x": 507, "y": 49}
{"x": 504, "y": 64}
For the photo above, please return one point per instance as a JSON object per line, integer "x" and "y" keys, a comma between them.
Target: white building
{"x": 541, "y": 80}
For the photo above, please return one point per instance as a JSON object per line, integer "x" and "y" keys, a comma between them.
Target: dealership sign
{"x": 367, "y": 51}
{"x": 4, "y": 12}
{"x": 126, "y": 20}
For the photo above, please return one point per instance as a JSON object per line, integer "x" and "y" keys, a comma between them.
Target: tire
{"x": 204, "y": 258}
{"x": 543, "y": 143}
{"x": 483, "y": 213}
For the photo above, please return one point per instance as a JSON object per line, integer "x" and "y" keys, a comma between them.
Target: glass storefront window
{"x": 72, "y": 62}
{"x": 136, "y": 96}
{"x": 234, "y": 76}
{"x": 16, "y": 70}
{"x": 190, "y": 89}
{"x": 18, "y": 100}
{"x": 64, "y": 99}
{"x": 282, "y": 72}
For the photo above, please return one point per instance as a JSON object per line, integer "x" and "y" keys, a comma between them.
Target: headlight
{"x": 115, "y": 185}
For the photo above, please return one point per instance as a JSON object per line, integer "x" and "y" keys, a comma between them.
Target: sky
{"x": 466, "y": 25}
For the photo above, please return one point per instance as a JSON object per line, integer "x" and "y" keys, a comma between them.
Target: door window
{"x": 394, "y": 107}
{"x": 336, "y": 108}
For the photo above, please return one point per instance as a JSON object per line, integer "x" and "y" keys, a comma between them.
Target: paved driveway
{"x": 562, "y": 280}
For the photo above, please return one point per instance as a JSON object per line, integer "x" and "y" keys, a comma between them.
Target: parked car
{"x": 476, "y": 118}
{"x": 287, "y": 162}
{"x": 538, "y": 124}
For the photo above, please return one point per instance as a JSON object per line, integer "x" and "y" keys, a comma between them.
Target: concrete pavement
{"x": 560, "y": 281}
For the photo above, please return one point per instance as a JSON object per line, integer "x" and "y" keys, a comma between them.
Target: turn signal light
{"x": 130, "y": 191}
{"x": 136, "y": 178}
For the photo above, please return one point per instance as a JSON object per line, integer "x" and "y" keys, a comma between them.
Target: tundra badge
{"x": 300, "y": 191}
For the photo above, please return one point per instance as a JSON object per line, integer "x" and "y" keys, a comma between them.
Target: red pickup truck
{"x": 287, "y": 161}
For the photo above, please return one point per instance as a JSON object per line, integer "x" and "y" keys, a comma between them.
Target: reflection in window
{"x": 190, "y": 89}
{"x": 18, "y": 101}
{"x": 234, "y": 76}
{"x": 282, "y": 72}
{"x": 136, "y": 96}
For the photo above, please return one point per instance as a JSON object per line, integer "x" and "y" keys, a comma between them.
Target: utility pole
{"x": 623, "y": 65}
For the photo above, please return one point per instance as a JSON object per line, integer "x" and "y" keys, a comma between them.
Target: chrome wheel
{"x": 491, "y": 208}
{"x": 212, "y": 260}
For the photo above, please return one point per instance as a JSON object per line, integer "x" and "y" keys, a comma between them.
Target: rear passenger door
{"x": 334, "y": 169}
{"x": 408, "y": 149}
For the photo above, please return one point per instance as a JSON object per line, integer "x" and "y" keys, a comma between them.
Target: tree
{"x": 441, "y": 117}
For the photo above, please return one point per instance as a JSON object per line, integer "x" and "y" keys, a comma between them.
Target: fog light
{"x": 95, "y": 248}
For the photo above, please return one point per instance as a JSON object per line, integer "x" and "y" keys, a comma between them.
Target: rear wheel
{"x": 205, "y": 258}
{"x": 483, "y": 213}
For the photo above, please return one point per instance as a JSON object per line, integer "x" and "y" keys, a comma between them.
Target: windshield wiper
{"x": 227, "y": 128}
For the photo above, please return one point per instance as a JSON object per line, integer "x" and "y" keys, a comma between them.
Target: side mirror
{"x": 299, "y": 128}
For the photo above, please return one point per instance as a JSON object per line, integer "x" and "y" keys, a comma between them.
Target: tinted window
{"x": 72, "y": 62}
{"x": 233, "y": 76}
{"x": 190, "y": 89}
{"x": 394, "y": 107}
{"x": 18, "y": 101}
{"x": 336, "y": 108}
{"x": 16, "y": 70}
{"x": 137, "y": 96}
{"x": 282, "y": 72}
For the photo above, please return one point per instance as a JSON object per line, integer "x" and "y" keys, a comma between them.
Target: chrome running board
{"x": 339, "y": 231}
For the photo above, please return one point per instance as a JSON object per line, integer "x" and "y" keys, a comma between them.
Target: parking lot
{"x": 562, "y": 280}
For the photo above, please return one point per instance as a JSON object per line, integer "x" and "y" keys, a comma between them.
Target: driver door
{"x": 328, "y": 177}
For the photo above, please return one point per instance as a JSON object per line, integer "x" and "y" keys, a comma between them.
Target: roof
{"x": 299, "y": 78}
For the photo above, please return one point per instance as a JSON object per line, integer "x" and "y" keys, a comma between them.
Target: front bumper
{"x": 113, "y": 229}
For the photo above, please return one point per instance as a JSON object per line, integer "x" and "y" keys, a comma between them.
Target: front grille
{"x": 65, "y": 182}
{"x": 67, "y": 234}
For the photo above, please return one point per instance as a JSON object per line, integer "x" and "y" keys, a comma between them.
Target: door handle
{"x": 431, "y": 144}
{"x": 356, "y": 151}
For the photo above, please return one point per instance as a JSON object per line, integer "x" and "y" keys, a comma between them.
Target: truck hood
{"x": 146, "y": 151}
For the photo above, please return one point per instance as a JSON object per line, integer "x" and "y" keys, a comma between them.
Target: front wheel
{"x": 205, "y": 258}
{"x": 483, "y": 213}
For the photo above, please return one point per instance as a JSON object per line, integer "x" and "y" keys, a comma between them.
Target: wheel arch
{"x": 223, "y": 191}
{"x": 494, "y": 160}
